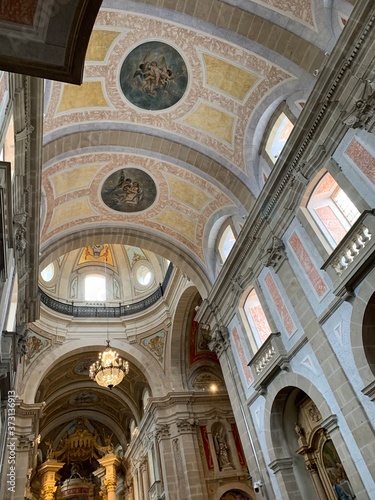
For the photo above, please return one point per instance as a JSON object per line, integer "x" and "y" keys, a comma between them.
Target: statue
{"x": 50, "y": 451}
{"x": 222, "y": 450}
{"x": 299, "y": 431}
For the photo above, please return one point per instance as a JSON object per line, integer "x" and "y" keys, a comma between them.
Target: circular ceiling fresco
{"x": 129, "y": 190}
{"x": 153, "y": 76}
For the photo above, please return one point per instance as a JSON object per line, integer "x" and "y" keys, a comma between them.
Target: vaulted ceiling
{"x": 197, "y": 134}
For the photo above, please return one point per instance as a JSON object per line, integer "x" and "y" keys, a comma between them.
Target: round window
{"x": 144, "y": 275}
{"x": 48, "y": 272}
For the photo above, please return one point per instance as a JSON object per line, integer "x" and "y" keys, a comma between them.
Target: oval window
{"x": 144, "y": 275}
{"x": 48, "y": 273}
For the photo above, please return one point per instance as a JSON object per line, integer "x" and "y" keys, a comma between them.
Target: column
{"x": 313, "y": 469}
{"x": 27, "y": 430}
{"x": 110, "y": 462}
{"x": 145, "y": 480}
{"x": 100, "y": 473}
{"x": 283, "y": 469}
{"x": 48, "y": 474}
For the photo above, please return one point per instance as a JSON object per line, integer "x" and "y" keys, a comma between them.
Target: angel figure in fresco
{"x": 129, "y": 192}
{"x": 153, "y": 75}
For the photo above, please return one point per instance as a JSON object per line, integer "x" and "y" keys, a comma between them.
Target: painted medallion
{"x": 153, "y": 76}
{"x": 129, "y": 190}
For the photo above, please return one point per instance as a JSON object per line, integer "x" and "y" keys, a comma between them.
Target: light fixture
{"x": 213, "y": 388}
{"x": 109, "y": 370}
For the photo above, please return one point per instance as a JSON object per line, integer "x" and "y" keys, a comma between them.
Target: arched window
{"x": 256, "y": 318}
{"x": 226, "y": 242}
{"x": 332, "y": 209}
{"x": 278, "y": 136}
{"x": 95, "y": 287}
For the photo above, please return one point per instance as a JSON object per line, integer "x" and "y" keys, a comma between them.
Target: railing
{"x": 119, "y": 311}
{"x": 268, "y": 361}
{"x": 346, "y": 263}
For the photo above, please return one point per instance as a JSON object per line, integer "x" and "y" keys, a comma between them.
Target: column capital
{"x": 281, "y": 464}
{"x": 50, "y": 465}
{"x": 109, "y": 460}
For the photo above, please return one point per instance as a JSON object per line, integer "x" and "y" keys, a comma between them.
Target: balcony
{"x": 268, "y": 362}
{"x": 354, "y": 256}
{"x": 156, "y": 491}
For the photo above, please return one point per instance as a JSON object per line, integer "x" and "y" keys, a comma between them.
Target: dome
{"x": 103, "y": 273}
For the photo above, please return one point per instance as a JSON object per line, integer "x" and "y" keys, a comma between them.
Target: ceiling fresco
{"x": 183, "y": 205}
{"x": 157, "y": 149}
{"x": 129, "y": 190}
{"x": 153, "y": 76}
{"x": 215, "y": 109}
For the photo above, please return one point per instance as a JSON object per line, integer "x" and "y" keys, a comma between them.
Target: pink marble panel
{"x": 280, "y": 304}
{"x": 307, "y": 264}
{"x": 242, "y": 355}
{"x": 260, "y": 322}
{"x": 363, "y": 159}
{"x": 331, "y": 222}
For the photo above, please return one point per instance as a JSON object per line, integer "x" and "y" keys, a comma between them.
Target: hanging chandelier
{"x": 109, "y": 370}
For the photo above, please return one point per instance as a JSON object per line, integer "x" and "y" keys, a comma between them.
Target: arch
{"x": 212, "y": 233}
{"x": 178, "y": 344}
{"x": 234, "y": 486}
{"x": 275, "y": 399}
{"x": 151, "y": 369}
{"x": 79, "y": 239}
{"x": 362, "y": 318}
{"x": 332, "y": 210}
{"x": 89, "y": 140}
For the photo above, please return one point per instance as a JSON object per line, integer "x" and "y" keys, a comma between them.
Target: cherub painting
{"x": 129, "y": 190}
{"x": 153, "y": 76}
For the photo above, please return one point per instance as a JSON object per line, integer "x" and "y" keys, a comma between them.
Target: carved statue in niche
{"x": 222, "y": 450}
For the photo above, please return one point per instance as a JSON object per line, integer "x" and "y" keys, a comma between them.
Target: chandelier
{"x": 109, "y": 369}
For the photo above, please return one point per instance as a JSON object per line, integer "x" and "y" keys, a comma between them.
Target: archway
{"x": 235, "y": 495}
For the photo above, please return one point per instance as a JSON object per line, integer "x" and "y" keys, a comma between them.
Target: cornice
{"x": 314, "y": 138}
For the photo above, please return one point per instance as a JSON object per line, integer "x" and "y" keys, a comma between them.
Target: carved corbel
{"x": 219, "y": 340}
{"x": 362, "y": 114}
{"x": 275, "y": 254}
